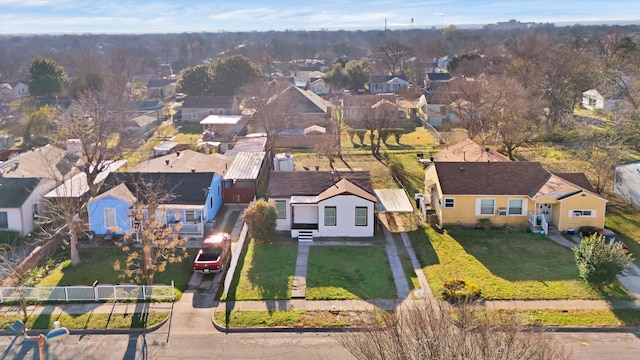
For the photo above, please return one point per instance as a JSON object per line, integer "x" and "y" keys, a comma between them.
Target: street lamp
{"x": 57, "y": 333}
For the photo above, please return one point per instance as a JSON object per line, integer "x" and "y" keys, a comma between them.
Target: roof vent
{"x": 166, "y": 162}
{"x": 193, "y": 170}
{"x": 461, "y": 168}
{"x": 177, "y": 153}
{"x": 487, "y": 149}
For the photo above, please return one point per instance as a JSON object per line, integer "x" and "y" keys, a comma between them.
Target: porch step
{"x": 305, "y": 235}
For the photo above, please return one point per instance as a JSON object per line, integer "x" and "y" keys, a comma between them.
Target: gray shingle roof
{"x": 311, "y": 183}
{"x": 207, "y": 102}
{"x": 188, "y": 188}
{"x": 14, "y": 191}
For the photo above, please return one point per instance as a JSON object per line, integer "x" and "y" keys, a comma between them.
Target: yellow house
{"x": 511, "y": 193}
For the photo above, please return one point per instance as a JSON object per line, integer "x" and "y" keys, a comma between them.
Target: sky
{"x": 178, "y": 16}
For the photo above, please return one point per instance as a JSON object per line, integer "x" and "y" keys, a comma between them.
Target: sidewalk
{"x": 187, "y": 315}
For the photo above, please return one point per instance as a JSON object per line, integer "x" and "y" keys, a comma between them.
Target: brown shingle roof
{"x": 579, "y": 179}
{"x": 365, "y": 100}
{"x": 490, "y": 178}
{"x": 307, "y": 183}
{"x": 345, "y": 186}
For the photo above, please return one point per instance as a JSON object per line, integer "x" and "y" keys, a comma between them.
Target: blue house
{"x": 195, "y": 199}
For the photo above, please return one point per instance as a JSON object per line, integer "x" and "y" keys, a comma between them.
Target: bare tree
{"x": 13, "y": 273}
{"x": 515, "y": 113}
{"x": 272, "y": 112}
{"x": 392, "y": 56}
{"x": 150, "y": 245}
{"x": 429, "y": 330}
{"x": 97, "y": 122}
{"x": 468, "y": 101}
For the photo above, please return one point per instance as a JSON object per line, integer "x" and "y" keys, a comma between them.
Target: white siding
{"x": 346, "y": 217}
{"x": 284, "y": 224}
{"x": 305, "y": 214}
{"x": 14, "y": 219}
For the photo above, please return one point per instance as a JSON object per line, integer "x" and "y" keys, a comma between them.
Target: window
{"x": 109, "y": 218}
{"x": 4, "y": 220}
{"x": 281, "y": 209}
{"x": 487, "y": 206}
{"x": 194, "y": 115}
{"x": 330, "y": 216}
{"x": 576, "y": 213}
{"x": 220, "y": 112}
{"x": 210, "y": 112}
{"x": 361, "y": 216}
{"x": 190, "y": 215}
{"x": 449, "y": 203}
{"x": 515, "y": 207}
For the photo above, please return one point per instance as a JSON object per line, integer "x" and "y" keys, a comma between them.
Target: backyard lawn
{"x": 349, "y": 272}
{"x": 266, "y": 271}
{"x": 625, "y": 221}
{"x": 97, "y": 264}
{"x": 504, "y": 265}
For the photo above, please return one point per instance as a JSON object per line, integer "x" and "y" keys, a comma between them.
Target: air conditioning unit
{"x": 502, "y": 211}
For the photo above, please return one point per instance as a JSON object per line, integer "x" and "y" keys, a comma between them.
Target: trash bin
{"x": 570, "y": 231}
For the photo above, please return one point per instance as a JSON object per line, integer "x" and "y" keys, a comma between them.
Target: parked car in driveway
{"x": 609, "y": 235}
{"x": 214, "y": 254}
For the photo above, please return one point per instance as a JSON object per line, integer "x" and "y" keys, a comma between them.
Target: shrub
{"x": 485, "y": 224}
{"x": 261, "y": 220}
{"x": 600, "y": 262}
{"x": 457, "y": 290}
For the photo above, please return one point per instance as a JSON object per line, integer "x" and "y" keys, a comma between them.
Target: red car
{"x": 214, "y": 254}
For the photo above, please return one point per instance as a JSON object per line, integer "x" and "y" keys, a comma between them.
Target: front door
{"x": 545, "y": 209}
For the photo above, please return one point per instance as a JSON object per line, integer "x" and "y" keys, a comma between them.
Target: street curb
{"x": 276, "y": 329}
{"x": 97, "y": 331}
{"x": 281, "y": 329}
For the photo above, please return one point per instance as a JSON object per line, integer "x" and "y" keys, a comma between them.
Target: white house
{"x": 323, "y": 203}
{"x": 19, "y": 198}
{"x": 592, "y": 99}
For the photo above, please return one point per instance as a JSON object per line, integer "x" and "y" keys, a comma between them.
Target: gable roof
{"x": 312, "y": 183}
{"x": 208, "y": 102}
{"x": 187, "y": 188}
{"x": 185, "y": 161}
{"x": 121, "y": 191}
{"x": 342, "y": 187}
{"x": 305, "y": 101}
{"x": 579, "y": 179}
{"x": 365, "y": 100}
{"x": 521, "y": 178}
{"x": 377, "y": 79}
{"x": 468, "y": 150}
{"x": 490, "y": 178}
{"x": 15, "y": 191}
{"x": 47, "y": 162}
{"x": 158, "y": 83}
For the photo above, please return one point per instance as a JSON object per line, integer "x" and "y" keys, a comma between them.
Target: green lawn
{"x": 88, "y": 321}
{"x": 97, "y": 264}
{"x": 582, "y": 317}
{"x": 265, "y": 272}
{"x": 292, "y": 318}
{"x": 504, "y": 265}
{"x": 625, "y": 221}
{"x": 349, "y": 272}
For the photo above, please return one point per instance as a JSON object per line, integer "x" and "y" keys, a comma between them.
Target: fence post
{"x": 1, "y": 295}
{"x": 66, "y": 293}
{"x": 115, "y": 293}
{"x": 173, "y": 292}
{"x": 144, "y": 292}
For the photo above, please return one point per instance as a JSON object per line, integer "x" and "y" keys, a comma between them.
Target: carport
{"x": 395, "y": 211}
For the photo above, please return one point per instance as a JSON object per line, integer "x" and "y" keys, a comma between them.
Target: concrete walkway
{"x": 195, "y": 309}
{"x": 402, "y": 285}
{"x": 299, "y": 287}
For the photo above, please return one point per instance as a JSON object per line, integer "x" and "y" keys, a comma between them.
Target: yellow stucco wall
{"x": 465, "y": 210}
{"x": 579, "y": 202}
